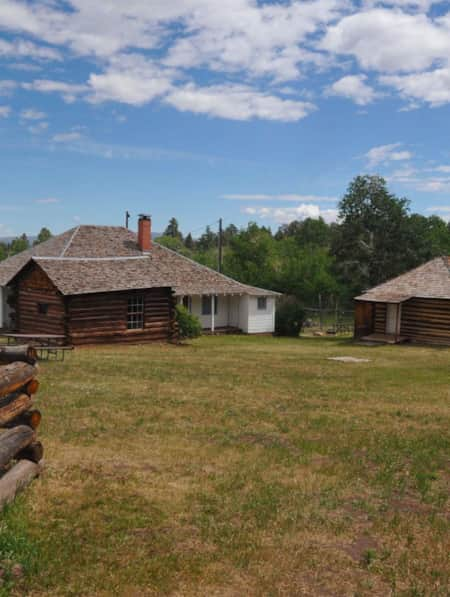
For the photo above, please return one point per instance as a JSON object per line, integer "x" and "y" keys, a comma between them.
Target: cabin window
{"x": 187, "y": 303}
{"x": 262, "y": 303}
{"x": 206, "y": 305}
{"x": 135, "y": 316}
{"x": 42, "y": 308}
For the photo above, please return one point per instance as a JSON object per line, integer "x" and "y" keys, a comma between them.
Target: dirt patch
{"x": 410, "y": 505}
{"x": 268, "y": 441}
{"x": 348, "y": 360}
{"x": 361, "y": 547}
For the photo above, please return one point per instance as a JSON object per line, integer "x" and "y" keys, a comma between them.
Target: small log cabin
{"x": 413, "y": 307}
{"x": 102, "y": 284}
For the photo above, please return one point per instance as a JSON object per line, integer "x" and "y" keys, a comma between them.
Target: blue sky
{"x": 203, "y": 109}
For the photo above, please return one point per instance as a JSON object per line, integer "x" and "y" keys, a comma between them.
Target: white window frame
{"x": 264, "y": 299}
{"x": 136, "y": 312}
{"x": 189, "y": 303}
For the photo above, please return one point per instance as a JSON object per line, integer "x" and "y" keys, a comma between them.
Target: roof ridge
{"x": 70, "y": 241}
{"x": 118, "y": 258}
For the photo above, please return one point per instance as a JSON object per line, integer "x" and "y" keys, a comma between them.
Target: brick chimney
{"x": 145, "y": 232}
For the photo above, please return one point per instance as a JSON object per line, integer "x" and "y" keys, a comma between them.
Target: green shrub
{"x": 289, "y": 317}
{"x": 189, "y": 325}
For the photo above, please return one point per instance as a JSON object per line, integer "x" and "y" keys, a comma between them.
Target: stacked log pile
{"x": 20, "y": 451}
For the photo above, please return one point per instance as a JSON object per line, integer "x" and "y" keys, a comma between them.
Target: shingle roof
{"x": 431, "y": 280}
{"x": 90, "y": 259}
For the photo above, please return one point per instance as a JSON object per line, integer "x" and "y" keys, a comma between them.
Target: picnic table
{"x": 48, "y": 346}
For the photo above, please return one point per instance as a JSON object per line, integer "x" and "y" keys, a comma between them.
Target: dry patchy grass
{"x": 241, "y": 466}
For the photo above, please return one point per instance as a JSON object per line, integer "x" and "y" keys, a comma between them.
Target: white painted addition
{"x": 237, "y": 311}
{"x": 261, "y": 321}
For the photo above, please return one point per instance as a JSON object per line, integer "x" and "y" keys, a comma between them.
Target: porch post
{"x": 213, "y": 304}
{"x": 398, "y": 323}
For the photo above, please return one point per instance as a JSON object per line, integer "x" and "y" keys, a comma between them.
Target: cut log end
{"x": 33, "y": 452}
{"x": 32, "y": 387}
{"x": 31, "y": 417}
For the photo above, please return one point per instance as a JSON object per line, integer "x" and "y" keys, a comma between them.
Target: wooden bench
{"x": 49, "y": 347}
{"x": 52, "y": 353}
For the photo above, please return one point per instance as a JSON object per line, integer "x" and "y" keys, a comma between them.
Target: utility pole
{"x": 127, "y": 218}
{"x": 220, "y": 246}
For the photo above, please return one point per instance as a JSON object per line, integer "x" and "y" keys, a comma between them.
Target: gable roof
{"x": 91, "y": 259}
{"x": 431, "y": 280}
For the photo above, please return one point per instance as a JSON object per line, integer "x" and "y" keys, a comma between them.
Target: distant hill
{"x": 9, "y": 239}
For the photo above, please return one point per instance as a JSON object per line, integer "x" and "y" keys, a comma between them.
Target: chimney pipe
{"x": 145, "y": 232}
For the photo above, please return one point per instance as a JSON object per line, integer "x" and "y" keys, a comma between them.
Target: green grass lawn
{"x": 239, "y": 466}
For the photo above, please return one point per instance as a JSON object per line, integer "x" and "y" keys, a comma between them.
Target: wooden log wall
{"x": 20, "y": 452}
{"x": 426, "y": 320}
{"x": 33, "y": 288}
{"x": 102, "y": 318}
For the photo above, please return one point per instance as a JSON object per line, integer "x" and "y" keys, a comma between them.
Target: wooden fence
{"x": 20, "y": 451}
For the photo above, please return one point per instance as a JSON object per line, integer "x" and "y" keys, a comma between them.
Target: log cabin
{"x": 102, "y": 284}
{"x": 413, "y": 307}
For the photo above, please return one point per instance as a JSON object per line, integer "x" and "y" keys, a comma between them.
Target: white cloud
{"x": 236, "y": 102}
{"x": 20, "y": 48}
{"x": 404, "y": 175}
{"x": 432, "y": 86}
{"x": 445, "y": 209}
{"x": 241, "y": 37}
{"x": 6, "y": 230}
{"x": 141, "y": 51}
{"x": 423, "y": 5}
{"x": 69, "y": 91}
{"x": 67, "y": 137}
{"x": 387, "y": 153}
{"x": 32, "y": 114}
{"x": 354, "y": 87}
{"x": 6, "y": 87}
{"x": 130, "y": 80}
{"x": 85, "y": 146}
{"x": 38, "y": 128}
{"x": 227, "y": 36}
{"x": 389, "y": 40}
{"x": 25, "y": 66}
{"x": 434, "y": 185}
{"x": 445, "y": 169}
{"x": 280, "y": 197}
{"x": 284, "y": 215}
{"x": 47, "y": 201}
{"x": 5, "y": 111}
{"x": 261, "y": 39}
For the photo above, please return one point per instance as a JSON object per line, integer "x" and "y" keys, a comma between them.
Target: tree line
{"x": 376, "y": 237}
{"x": 22, "y": 243}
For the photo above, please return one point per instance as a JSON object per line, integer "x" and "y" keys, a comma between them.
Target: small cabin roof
{"x": 430, "y": 280}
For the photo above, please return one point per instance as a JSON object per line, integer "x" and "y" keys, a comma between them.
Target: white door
{"x": 391, "y": 319}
